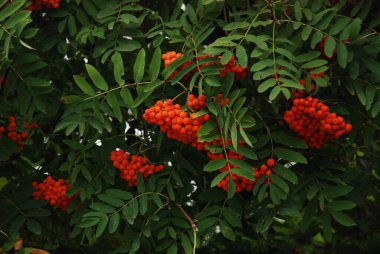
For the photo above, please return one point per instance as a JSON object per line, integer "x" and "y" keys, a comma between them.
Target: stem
{"x": 116, "y": 88}
{"x": 267, "y": 129}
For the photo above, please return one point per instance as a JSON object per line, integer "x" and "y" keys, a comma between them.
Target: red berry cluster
{"x": 53, "y": 192}
{"x": 313, "y": 122}
{"x": 177, "y": 123}
{"x": 12, "y": 134}
{"x": 170, "y": 57}
{"x": 239, "y": 72}
{"x": 231, "y": 66}
{"x": 198, "y": 103}
{"x": 265, "y": 169}
{"x": 300, "y": 93}
{"x": 221, "y": 100}
{"x": 241, "y": 183}
{"x": 316, "y": 75}
{"x": 30, "y": 126}
{"x": 129, "y": 166}
{"x": 38, "y": 5}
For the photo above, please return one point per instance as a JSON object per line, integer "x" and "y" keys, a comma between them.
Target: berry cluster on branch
{"x": 129, "y": 166}
{"x": 313, "y": 122}
{"x": 38, "y": 5}
{"x": 53, "y": 192}
{"x": 178, "y": 124}
{"x": 13, "y": 134}
{"x": 229, "y": 67}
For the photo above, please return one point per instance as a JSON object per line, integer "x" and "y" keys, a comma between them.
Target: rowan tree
{"x": 175, "y": 126}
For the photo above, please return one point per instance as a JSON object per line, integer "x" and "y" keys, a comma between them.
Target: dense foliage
{"x": 177, "y": 126}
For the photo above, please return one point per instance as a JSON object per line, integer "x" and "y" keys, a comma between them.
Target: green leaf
{"x": 113, "y": 223}
{"x": 247, "y": 152}
{"x": 343, "y": 219}
{"x": 175, "y": 65}
{"x": 143, "y": 204}
{"x": 215, "y": 165}
{"x": 84, "y": 85}
{"x": 155, "y": 65}
{"x": 290, "y": 155}
{"x": 234, "y": 135}
{"x": 262, "y": 65}
{"x": 284, "y": 139}
{"x": 285, "y": 173}
{"x": 139, "y": 66}
{"x": 191, "y": 14}
{"x": 102, "y": 207}
{"x": 307, "y": 56}
{"x": 274, "y": 93}
{"x": 207, "y": 128}
{"x": 340, "y": 205}
{"x": 333, "y": 192}
{"x": 242, "y": 56}
{"x": 231, "y": 188}
{"x": 244, "y": 172}
{"x": 125, "y": 195}
{"x": 10, "y": 9}
{"x": 127, "y": 45}
{"x": 297, "y": 11}
{"x": 342, "y": 54}
{"x": 275, "y": 194}
{"x": 280, "y": 183}
{"x": 142, "y": 97}
{"x": 244, "y": 136}
{"x": 34, "y": 226}
{"x": 127, "y": 96}
{"x": 118, "y": 68}
{"x": 88, "y": 222}
{"x": 219, "y": 178}
{"x": 173, "y": 249}
{"x": 266, "y": 85}
{"x": 113, "y": 101}
{"x": 96, "y": 78}
{"x": 235, "y": 25}
{"x": 314, "y": 64}
{"x": 330, "y": 45}
{"x": 111, "y": 200}
{"x": 101, "y": 226}
{"x": 185, "y": 242}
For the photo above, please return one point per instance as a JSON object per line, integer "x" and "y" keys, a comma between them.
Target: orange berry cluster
{"x": 265, "y": 170}
{"x": 12, "y": 134}
{"x": 38, "y": 5}
{"x": 198, "y": 103}
{"x": 171, "y": 56}
{"x": 30, "y": 126}
{"x": 316, "y": 75}
{"x": 175, "y": 122}
{"x": 53, "y": 192}
{"x": 129, "y": 166}
{"x": 222, "y": 101}
{"x": 313, "y": 122}
{"x": 239, "y": 72}
{"x": 300, "y": 93}
{"x": 241, "y": 183}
